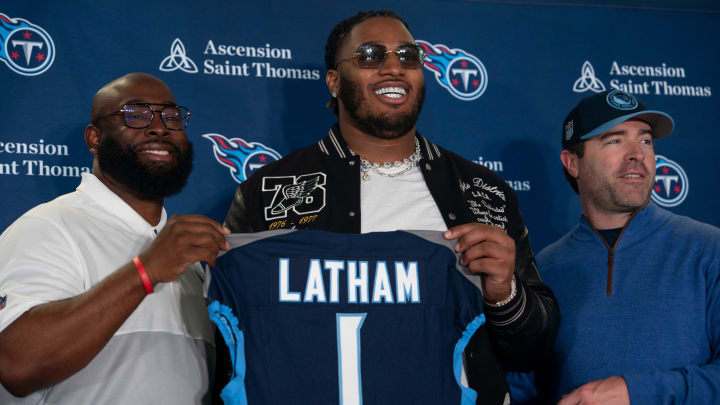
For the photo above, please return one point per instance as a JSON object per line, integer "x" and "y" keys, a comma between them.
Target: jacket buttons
{"x": 427, "y": 166}
{"x": 451, "y": 216}
{"x": 351, "y": 163}
{"x": 351, "y": 213}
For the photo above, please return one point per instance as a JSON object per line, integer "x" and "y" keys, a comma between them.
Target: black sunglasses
{"x": 372, "y": 56}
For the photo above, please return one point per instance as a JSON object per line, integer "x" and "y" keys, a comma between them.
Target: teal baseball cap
{"x": 598, "y": 113}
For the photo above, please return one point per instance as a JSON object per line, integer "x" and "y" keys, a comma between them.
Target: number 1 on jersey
{"x": 348, "y": 338}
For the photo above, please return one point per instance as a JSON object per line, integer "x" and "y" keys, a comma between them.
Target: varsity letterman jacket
{"x": 318, "y": 187}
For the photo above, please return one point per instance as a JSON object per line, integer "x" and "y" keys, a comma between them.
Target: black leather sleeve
{"x": 523, "y": 331}
{"x": 236, "y": 219}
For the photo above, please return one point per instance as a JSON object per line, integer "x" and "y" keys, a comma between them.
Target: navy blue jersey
{"x": 314, "y": 317}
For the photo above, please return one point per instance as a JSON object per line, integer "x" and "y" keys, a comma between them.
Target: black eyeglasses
{"x": 140, "y": 115}
{"x": 372, "y": 56}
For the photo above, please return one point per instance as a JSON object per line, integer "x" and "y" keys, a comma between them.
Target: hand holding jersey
{"x": 186, "y": 239}
{"x": 489, "y": 251}
{"x": 610, "y": 391}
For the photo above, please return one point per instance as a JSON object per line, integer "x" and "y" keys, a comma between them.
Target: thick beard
{"x": 149, "y": 181}
{"x": 383, "y": 126}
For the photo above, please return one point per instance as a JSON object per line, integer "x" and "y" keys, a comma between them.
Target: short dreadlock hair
{"x": 339, "y": 34}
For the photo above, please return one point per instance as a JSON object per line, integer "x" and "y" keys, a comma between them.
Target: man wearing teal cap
{"x": 638, "y": 287}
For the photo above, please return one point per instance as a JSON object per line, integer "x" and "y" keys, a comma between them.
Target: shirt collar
{"x": 94, "y": 189}
{"x": 642, "y": 224}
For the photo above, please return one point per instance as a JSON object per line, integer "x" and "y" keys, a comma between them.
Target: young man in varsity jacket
{"x": 374, "y": 172}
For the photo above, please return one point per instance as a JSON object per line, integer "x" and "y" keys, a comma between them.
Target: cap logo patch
{"x": 622, "y": 101}
{"x": 569, "y": 130}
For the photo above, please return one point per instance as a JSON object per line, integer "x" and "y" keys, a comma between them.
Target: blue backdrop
{"x": 252, "y": 73}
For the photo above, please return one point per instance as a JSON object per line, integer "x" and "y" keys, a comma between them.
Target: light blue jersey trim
{"x": 234, "y": 392}
{"x": 359, "y": 353}
{"x": 469, "y": 395}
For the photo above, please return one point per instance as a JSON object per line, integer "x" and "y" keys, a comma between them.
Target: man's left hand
{"x": 489, "y": 251}
{"x": 609, "y": 391}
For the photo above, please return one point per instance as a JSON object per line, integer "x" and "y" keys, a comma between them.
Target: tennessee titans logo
{"x": 242, "y": 158}
{"x": 26, "y": 48}
{"x": 671, "y": 183}
{"x": 461, "y": 73}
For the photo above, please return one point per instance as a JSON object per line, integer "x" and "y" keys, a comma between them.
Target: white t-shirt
{"x": 164, "y": 350}
{"x": 398, "y": 203}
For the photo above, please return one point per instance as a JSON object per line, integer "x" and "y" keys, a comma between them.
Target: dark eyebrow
{"x": 371, "y": 43}
{"x": 608, "y": 134}
{"x": 622, "y": 132}
{"x": 378, "y": 43}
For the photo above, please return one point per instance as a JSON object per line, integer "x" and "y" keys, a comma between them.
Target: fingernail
{"x": 226, "y": 230}
{"x": 447, "y": 234}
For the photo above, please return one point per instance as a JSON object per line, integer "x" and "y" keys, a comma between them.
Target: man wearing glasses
{"x": 374, "y": 172}
{"x": 103, "y": 301}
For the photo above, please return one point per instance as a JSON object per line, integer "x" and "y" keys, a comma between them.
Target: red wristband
{"x": 143, "y": 275}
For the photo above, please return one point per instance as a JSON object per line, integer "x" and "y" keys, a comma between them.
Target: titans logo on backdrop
{"x": 671, "y": 183}
{"x": 240, "y": 157}
{"x": 319, "y": 318}
{"x": 25, "y": 48}
{"x": 458, "y": 71}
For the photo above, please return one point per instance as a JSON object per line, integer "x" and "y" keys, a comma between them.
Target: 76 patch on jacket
{"x": 293, "y": 200}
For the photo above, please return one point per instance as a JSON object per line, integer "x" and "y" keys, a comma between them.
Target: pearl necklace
{"x": 406, "y": 164}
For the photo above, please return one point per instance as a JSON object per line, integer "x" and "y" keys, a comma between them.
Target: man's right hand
{"x": 608, "y": 391}
{"x": 184, "y": 240}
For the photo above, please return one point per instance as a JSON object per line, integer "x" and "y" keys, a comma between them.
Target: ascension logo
{"x": 241, "y": 157}
{"x": 178, "y": 59}
{"x": 658, "y": 79}
{"x": 671, "y": 183}
{"x": 460, "y": 72}
{"x": 587, "y": 80}
{"x": 25, "y": 48}
{"x": 238, "y": 60}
